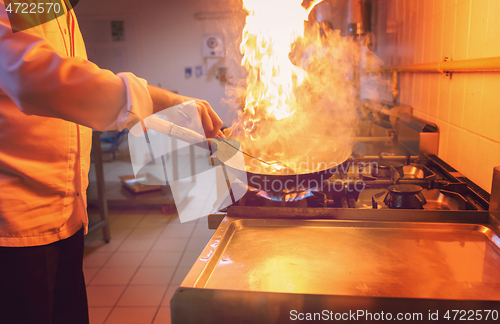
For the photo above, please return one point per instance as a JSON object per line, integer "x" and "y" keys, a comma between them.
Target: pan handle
{"x": 184, "y": 134}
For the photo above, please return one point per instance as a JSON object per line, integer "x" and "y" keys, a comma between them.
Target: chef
{"x": 51, "y": 97}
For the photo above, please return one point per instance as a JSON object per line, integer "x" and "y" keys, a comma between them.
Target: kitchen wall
{"x": 161, "y": 38}
{"x": 466, "y": 106}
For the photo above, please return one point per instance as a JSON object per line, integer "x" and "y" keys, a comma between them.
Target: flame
{"x": 277, "y": 166}
{"x": 272, "y": 26}
{"x": 287, "y": 197}
{"x": 297, "y": 80}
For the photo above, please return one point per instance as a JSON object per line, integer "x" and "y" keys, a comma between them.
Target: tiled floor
{"x": 133, "y": 278}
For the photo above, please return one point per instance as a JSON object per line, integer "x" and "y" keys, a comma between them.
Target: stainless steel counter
{"x": 312, "y": 262}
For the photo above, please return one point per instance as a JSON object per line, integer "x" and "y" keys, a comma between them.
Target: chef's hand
{"x": 164, "y": 99}
{"x": 209, "y": 119}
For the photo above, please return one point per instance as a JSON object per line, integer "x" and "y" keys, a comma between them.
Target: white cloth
{"x": 50, "y": 98}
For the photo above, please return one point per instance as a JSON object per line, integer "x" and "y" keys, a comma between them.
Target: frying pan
{"x": 226, "y": 150}
{"x": 274, "y": 182}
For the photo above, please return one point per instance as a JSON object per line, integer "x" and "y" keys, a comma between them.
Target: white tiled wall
{"x": 466, "y": 106}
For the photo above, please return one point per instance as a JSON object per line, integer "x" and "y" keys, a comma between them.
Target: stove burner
{"x": 301, "y": 199}
{"x": 405, "y": 189}
{"x": 255, "y": 197}
{"x": 383, "y": 169}
{"x": 405, "y": 196}
{"x": 285, "y": 196}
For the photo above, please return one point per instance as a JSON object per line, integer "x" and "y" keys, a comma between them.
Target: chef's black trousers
{"x": 43, "y": 284}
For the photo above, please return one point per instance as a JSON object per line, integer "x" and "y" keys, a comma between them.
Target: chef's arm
{"x": 163, "y": 98}
{"x": 45, "y": 82}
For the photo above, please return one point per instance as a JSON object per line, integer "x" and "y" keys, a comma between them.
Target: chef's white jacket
{"x": 50, "y": 98}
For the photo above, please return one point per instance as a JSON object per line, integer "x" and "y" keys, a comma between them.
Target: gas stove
{"x": 394, "y": 165}
{"x": 424, "y": 183}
